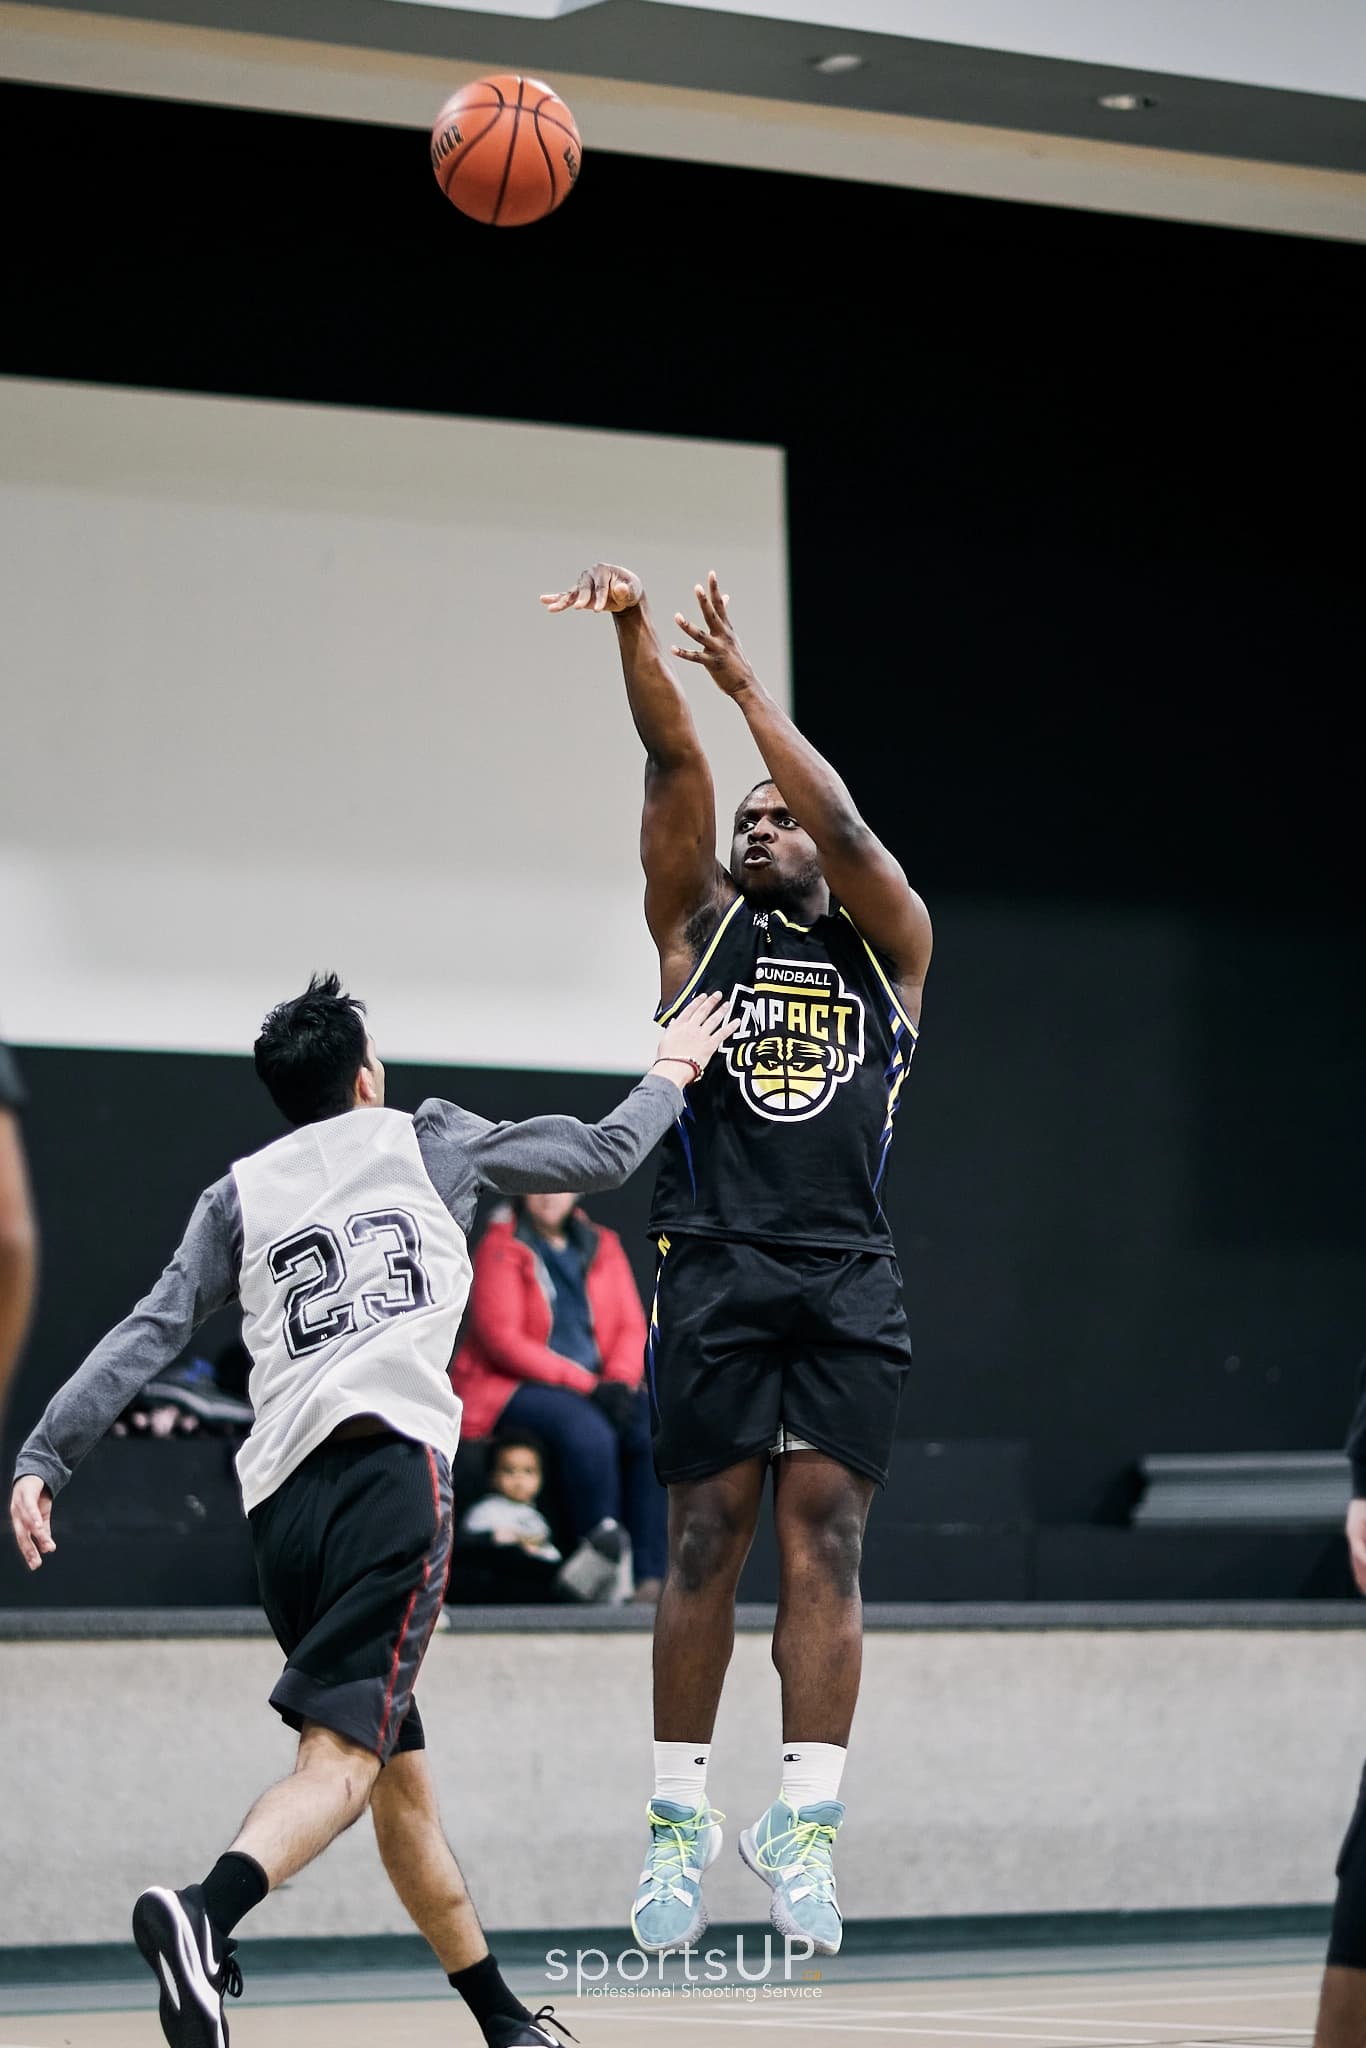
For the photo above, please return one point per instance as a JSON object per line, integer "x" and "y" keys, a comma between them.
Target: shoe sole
{"x": 696, "y": 1928}
{"x": 779, "y": 1912}
{"x": 167, "y": 1945}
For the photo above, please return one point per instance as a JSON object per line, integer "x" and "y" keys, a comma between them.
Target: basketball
{"x": 506, "y": 150}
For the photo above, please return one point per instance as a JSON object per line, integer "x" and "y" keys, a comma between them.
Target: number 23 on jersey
{"x": 313, "y": 1260}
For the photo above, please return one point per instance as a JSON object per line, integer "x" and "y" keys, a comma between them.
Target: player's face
{"x": 771, "y": 858}
{"x": 518, "y": 1474}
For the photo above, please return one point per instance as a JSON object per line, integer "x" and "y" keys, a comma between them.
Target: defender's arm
{"x": 200, "y": 1278}
{"x": 464, "y": 1152}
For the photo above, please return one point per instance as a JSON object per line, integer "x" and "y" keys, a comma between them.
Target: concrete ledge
{"x": 1122, "y": 1769}
{"x": 172, "y": 1624}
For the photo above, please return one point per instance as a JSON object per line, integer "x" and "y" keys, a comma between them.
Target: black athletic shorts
{"x": 751, "y": 1345}
{"x": 352, "y": 1553}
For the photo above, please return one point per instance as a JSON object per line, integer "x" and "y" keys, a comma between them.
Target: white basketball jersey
{"x": 354, "y": 1278}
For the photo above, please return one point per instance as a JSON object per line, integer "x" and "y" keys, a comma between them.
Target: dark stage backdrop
{"x": 1073, "y": 610}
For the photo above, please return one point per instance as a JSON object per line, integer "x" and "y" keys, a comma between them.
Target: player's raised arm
{"x": 865, "y": 877}
{"x": 683, "y": 879}
{"x": 200, "y": 1278}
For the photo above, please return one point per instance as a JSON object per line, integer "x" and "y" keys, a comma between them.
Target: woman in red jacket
{"x": 555, "y": 1344}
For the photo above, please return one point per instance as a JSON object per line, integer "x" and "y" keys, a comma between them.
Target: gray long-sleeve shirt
{"x": 462, "y": 1154}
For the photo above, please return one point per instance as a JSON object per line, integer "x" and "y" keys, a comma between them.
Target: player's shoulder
{"x": 883, "y": 970}
{"x": 438, "y": 1118}
{"x": 218, "y": 1212}
{"x": 449, "y": 1139}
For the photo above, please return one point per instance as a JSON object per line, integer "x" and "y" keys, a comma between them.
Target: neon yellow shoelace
{"x": 811, "y": 1844}
{"x": 669, "y": 1851}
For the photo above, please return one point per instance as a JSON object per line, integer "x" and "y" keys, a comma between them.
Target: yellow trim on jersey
{"x": 662, "y": 1016}
{"x": 881, "y": 973}
{"x": 893, "y": 1095}
{"x": 659, "y": 1282}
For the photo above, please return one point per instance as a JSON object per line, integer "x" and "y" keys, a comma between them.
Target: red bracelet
{"x": 679, "y": 1059}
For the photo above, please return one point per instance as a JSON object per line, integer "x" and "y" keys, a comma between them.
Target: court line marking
{"x": 812, "y": 2014}
{"x": 844, "y": 2023}
{"x": 1257, "y": 1992}
{"x": 1182, "y": 2026}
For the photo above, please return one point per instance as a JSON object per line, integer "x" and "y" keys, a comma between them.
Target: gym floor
{"x": 1228, "y": 1994}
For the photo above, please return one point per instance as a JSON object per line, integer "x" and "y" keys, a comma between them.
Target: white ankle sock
{"x": 812, "y": 1772}
{"x": 681, "y": 1773}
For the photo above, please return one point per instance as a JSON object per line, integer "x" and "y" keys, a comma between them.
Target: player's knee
{"x": 355, "y": 1783}
{"x": 348, "y": 1770}
{"x": 708, "y": 1545}
{"x": 833, "y": 1549}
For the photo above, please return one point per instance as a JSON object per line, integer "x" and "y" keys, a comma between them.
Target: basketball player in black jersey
{"x": 777, "y": 1334}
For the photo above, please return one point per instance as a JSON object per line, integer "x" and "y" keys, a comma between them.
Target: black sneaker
{"x": 195, "y": 1967}
{"x": 529, "y": 2033}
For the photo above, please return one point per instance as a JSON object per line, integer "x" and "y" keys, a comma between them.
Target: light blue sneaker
{"x": 669, "y": 1912}
{"x": 791, "y": 1850}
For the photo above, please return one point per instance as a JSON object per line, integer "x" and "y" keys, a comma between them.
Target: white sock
{"x": 681, "y": 1773}
{"x": 812, "y": 1772}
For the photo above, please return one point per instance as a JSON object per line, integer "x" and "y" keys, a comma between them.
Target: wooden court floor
{"x": 1146, "y": 2004}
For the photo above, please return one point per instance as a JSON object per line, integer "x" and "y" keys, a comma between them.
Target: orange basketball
{"x": 505, "y": 150}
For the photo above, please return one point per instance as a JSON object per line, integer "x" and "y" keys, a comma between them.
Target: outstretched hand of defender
{"x": 1356, "y": 1542}
{"x": 694, "y": 1035}
{"x": 606, "y": 587}
{"x": 718, "y": 648}
{"x": 30, "y": 1513}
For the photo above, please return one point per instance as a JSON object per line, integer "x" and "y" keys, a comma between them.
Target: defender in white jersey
{"x": 345, "y": 1243}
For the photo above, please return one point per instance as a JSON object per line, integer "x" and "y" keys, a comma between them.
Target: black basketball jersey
{"x": 786, "y": 1136}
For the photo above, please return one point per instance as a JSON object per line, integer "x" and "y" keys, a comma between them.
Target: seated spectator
{"x": 503, "y": 1550}
{"x": 554, "y": 1343}
{"x": 186, "y": 1400}
{"x": 508, "y": 1512}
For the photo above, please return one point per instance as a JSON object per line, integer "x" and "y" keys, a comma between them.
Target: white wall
{"x": 278, "y": 694}
{"x": 990, "y": 1772}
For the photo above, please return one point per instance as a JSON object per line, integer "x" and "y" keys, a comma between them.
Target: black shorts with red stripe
{"x": 352, "y": 1553}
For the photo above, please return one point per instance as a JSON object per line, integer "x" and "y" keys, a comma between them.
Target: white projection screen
{"x": 279, "y": 695}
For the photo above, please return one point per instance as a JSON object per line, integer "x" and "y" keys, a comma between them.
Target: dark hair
{"x": 514, "y": 1440}
{"x": 310, "y": 1051}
